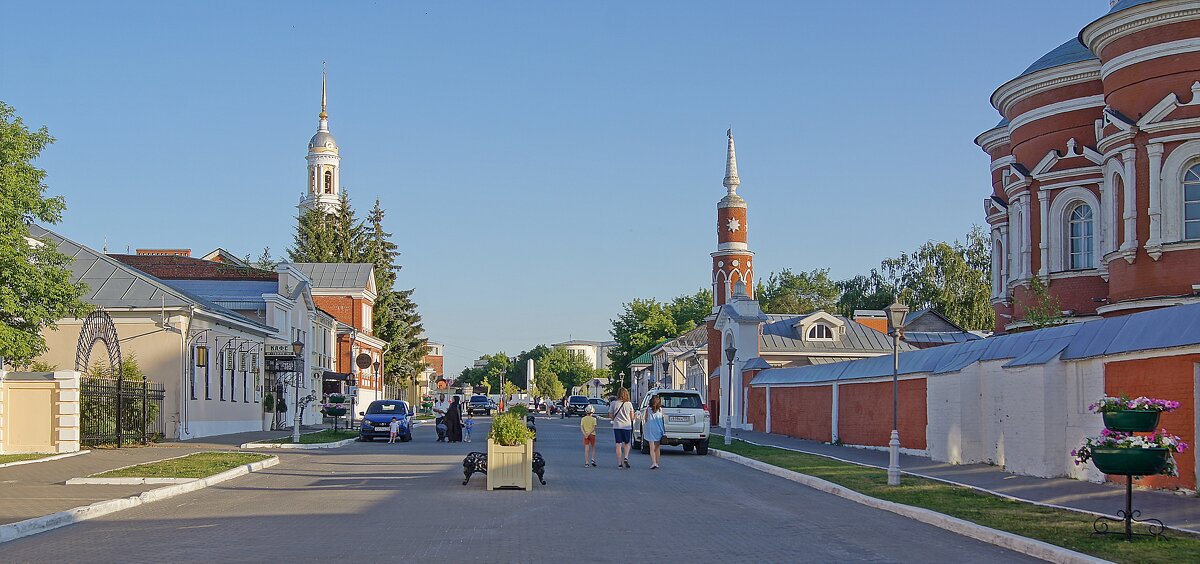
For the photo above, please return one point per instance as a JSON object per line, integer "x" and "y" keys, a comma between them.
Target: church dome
{"x": 1123, "y": 4}
{"x": 1070, "y": 52}
{"x": 322, "y": 140}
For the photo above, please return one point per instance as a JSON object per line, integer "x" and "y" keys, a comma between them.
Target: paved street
{"x": 405, "y": 502}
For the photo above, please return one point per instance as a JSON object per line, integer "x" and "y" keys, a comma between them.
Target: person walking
{"x": 393, "y": 429}
{"x": 468, "y": 425}
{"x": 587, "y": 424}
{"x": 621, "y": 414}
{"x": 439, "y": 416}
{"x": 454, "y": 426}
{"x": 653, "y": 429}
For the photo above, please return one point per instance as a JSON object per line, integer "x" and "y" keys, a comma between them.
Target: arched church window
{"x": 329, "y": 182}
{"x": 820, "y": 332}
{"x": 1191, "y": 203}
{"x": 1081, "y": 238}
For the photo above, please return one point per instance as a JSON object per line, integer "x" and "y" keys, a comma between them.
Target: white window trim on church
{"x": 1171, "y": 191}
{"x": 1060, "y": 209}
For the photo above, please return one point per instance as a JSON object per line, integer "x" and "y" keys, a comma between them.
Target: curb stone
{"x": 299, "y": 446}
{"x": 47, "y": 459}
{"x": 13, "y": 531}
{"x": 1025, "y": 545}
{"x": 127, "y": 481}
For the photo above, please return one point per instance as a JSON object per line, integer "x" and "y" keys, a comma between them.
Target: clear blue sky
{"x": 541, "y": 163}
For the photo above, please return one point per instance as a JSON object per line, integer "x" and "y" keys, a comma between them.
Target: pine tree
{"x": 337, "y": 237}
{"x": 396, "y": 319}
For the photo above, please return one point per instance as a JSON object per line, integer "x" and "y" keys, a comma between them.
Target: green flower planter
{"x": 1134, "y": 461}
{"x": 335, "y": 411}
{"x": 337, "y": 398}
{"x": 1131, "y": 421}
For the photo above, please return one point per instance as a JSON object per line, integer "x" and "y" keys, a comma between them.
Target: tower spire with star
{"x": 732, "y": 268}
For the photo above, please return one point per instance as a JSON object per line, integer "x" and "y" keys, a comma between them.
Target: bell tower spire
{"x": 323, "y": 115}
{"x": 324, "y": 163}
{"x": 731, "y": 176}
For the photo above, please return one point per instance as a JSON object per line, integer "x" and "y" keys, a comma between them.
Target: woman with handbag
{"x": 621, "y": 414}
{"x": 654, "y": 426}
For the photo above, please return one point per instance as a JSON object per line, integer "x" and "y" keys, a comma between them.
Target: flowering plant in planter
{"x": 1110, "y": 404}
{"x": 333, "y": 409}
{"x": 1119, "y": 440}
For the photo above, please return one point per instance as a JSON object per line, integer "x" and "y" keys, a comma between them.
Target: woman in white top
{"x": 620, "y": 411}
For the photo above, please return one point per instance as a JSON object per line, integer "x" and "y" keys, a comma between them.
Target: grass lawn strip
{"x": 6, "y": 458}
{"x": 197, "y": 465}
{"x": 326, "y": 436}
{"x": 1061, "y": 527}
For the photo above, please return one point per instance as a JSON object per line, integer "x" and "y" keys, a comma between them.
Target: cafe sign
{"x": 280, "y": 351}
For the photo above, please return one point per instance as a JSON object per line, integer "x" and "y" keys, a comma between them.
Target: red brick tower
{"x": 731, "y": 262}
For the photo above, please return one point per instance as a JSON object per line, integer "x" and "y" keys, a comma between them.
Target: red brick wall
{"x": 756, "y": 408}
{"x": 1166, "y": 378}
{"x": 865, "y": 413}
{"x": 804, "y": 413}
{"x": 437, "y": 363}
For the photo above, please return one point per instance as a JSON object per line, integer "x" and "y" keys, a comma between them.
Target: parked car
{"x": 685, "y": 418}
{"x": 600, "y": 405}
{"x": 577, "y": 405}
{"x": 479, "y": 404}
{"x": 379, "y": 415}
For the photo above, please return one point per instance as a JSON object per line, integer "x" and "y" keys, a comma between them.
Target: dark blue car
{"x": 379, "y": 415}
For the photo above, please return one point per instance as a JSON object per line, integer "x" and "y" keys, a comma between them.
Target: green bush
{"x": 269, "y": 403}
{"x": 509, "y": 429}
{"x": 519, "y": 410}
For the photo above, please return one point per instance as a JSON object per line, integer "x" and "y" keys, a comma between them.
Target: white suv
{"x": 686, "y": 419}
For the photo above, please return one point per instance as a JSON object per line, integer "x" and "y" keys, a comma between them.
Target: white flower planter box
{"x": 510, "y": 466}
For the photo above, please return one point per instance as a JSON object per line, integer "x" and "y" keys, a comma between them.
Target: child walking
{"x": 393, "y": 428}
{"x": 468, "y": 425}
{"x": 588, "y": 426}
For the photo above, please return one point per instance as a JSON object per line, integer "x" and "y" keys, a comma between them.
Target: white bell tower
{"x": 324, "y": 174}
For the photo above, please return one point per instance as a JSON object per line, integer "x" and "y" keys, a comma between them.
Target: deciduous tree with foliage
{"x": 35, "y": 284}
{"x": 805, "y": 292}
{"x": 954, "y": 279}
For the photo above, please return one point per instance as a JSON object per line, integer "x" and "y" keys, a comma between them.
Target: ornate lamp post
{"x": 895, "y": 316}
{"x": 663, "y": 382}
{"x": 378, "y": 379}
{"x": 730, "y": 354}
{"x": 298, "y": 351}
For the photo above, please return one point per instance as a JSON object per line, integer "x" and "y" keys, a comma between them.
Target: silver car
{"x": 685, "y": 418}
{"x": 600, "y": 405}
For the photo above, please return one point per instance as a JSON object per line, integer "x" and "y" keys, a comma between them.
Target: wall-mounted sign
{"x": 279, "y": 351}
{"x": 363, "y": 360}
{"x": 281, "y": 365}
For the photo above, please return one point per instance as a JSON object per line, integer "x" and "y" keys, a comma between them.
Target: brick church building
{"x": 1095, "y": 169}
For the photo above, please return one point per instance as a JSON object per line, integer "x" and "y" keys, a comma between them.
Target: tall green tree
{"x": 331, "y": 237}
{"x": 690, "y": 310}
{"x": 264, "y": 261}
{"x": 570, "y": 368}
{"x": 396, "y": 319}
{"x": 643, "y": 323}
{"x": 517, "y": 371}
{"x": 804, "y": 292}
{"x": 952, "y": 278}
{"x": 35, "y": 284}
{"x": 869, "y": 291}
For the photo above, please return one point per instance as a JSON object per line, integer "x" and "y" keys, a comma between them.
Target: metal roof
{"x": 337, "y": 275}
{"x": 940, "y": 337}
{"x": 779, "y": 335}
{"x": 1073, "y": 51}
{"x": 114, "y": 285}
{"x": 643, "y": 358}
{"x": 1164, "y": 328}
{"x": 1124, "y": 4}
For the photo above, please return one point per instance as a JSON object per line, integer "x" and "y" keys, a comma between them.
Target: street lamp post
{"x": 665, "y": 376}
{"x": 730, "y": 353}
{"x": 298, "y": 351}
{"x": 895, "y": 316}
{"x": 378, "y": 380}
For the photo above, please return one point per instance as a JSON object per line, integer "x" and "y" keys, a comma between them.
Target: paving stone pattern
{"x": 404, "y": 503}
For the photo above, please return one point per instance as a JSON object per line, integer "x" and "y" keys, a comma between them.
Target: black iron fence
{"x": 116, "y": 411}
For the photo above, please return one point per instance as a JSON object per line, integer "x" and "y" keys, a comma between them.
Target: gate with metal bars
{"x": 116, "y": 411}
